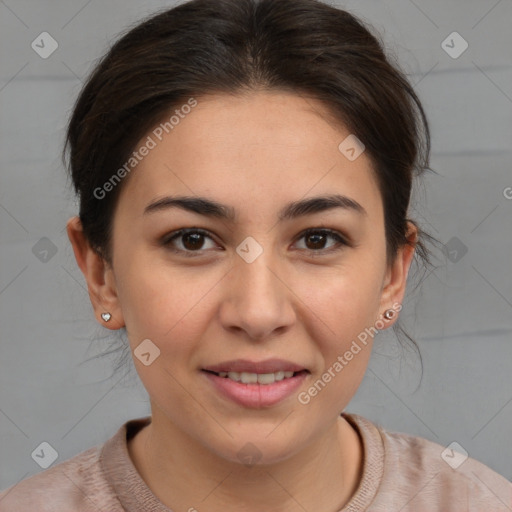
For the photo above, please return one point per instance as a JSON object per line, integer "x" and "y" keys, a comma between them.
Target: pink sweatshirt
{"x": 401, "y": 473}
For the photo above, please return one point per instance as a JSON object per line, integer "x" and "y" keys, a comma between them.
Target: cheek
{"x": 172, "y": 308}
{"x": 156, "y": 298}
{"x": 344, "y": 301}
{"x": 340, "y": 313}
{"x": 168, "y": 308}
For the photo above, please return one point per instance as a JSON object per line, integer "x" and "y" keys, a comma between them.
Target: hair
{"x": 201, "y": 47}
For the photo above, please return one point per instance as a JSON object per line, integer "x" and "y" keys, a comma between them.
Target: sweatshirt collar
{"x": 134, "y": 495}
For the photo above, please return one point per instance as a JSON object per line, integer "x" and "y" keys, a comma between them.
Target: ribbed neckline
{"x": 134, "y": 495}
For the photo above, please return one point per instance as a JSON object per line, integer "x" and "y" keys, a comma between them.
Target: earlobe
{"x": 100, "y": 284}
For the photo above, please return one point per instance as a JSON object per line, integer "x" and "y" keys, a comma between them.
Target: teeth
{"x": 259, "y": 378}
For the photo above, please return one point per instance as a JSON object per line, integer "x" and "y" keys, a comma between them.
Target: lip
{"x": 266, "y": 366}
{"x": 256, "y": 396}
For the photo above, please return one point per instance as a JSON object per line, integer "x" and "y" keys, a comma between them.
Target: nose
{"x": 257, "y": 298}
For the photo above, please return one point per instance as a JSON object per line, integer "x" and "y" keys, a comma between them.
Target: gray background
{"x": 461, "y": 315}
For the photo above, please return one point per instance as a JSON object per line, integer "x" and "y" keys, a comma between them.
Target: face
{"x": 301, "y": 287}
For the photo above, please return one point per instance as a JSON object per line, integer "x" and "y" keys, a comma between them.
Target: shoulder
{"x": 428, "y": 476}
{"x": 75, "y": 484}
{"x": 412, "y": 474}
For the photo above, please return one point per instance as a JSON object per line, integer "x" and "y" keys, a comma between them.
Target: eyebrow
{"x": 295, "y": 209}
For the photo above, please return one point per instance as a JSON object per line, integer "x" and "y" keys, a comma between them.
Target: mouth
{"x": 255, "y": 390}
{"x": 258, "y": 378}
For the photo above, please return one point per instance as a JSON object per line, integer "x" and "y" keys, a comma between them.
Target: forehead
{"x": 250, "y": 151}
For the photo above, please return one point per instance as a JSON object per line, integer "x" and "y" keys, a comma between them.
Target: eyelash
{"x": 167, "y": 240}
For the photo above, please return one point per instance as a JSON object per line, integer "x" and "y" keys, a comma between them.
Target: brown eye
{"x": 316, "y": 239}
{"x": 191, "y": 241}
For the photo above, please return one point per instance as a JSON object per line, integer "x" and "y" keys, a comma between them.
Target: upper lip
{"x": 244, "y": 365}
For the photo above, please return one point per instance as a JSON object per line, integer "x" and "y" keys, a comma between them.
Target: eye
{"x": 192, "y": 240}
{"x": 316, "y": 239}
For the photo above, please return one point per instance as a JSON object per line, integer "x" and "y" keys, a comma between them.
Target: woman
{"x": 244, "y": 172}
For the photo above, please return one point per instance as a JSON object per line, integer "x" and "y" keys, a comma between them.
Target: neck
{"x": 185, "y": 475}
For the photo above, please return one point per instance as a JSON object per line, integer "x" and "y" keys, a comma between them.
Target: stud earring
{"x": 106, "y": 316}
{"x": 389, "y": 314}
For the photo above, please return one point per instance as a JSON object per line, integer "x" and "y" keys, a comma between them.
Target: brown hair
{"x": 232, "y": 46}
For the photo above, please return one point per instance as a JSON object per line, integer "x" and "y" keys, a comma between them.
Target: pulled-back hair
{"x": 203, "y": 47}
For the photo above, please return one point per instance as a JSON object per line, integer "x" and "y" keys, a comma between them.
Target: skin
{"x": 255, "y": 153}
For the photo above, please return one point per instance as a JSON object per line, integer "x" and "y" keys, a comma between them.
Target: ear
{"x": 395, "y": 281}
{"x": 98, "y": 274}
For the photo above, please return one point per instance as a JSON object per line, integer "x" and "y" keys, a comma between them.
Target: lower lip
{"x": 256, "y": 395}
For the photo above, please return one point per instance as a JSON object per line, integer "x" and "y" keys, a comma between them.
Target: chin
{"x": 258, "y": 450}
